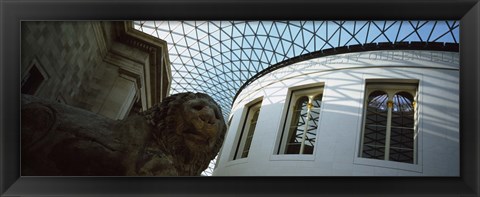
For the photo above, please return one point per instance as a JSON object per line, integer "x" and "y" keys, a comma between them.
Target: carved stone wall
{"x": 103, "y": 67}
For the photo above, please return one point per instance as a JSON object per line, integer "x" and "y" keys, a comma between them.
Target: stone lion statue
{"x": 178, "y": 137}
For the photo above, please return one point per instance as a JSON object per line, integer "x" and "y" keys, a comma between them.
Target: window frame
{"x": 242, "y": 137}
{"x": 25, "y": 75}
{"x": 293, "y": 96}
{"x": 217, "y": 158}
{"x": 392, "y": 88}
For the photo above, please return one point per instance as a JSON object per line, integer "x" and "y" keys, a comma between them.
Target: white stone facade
{"x": 339, "y": 132}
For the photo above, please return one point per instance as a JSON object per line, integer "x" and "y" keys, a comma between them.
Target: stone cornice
{"x": 159, "y": 63}
{"x": 138, "y": 55}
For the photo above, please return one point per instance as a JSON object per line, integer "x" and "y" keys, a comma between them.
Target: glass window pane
{"x": 374, "y": 117}
{"x": 403, "y": 120}
{"x": 401, "y": 155}
{"x": 297, "y": 129}
{"x": 375, "y": 126}
{"x": 251, "y": 131}
{"x": 246, "y": 136}
{"x": 375, "y": 135}
{"x": 311, "y": 134}
{"x": 402, "y": 129}
{"x": 402, "y": 102}
{"x": 373, "y": 152}
{"x": 317, "y": 101}
{"x": 378, "y": 100}
{"x": 401, "y": 138}
{"x": 302, "y": 126}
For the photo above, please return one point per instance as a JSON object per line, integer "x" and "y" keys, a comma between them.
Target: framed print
{"x": 301, "y": 95}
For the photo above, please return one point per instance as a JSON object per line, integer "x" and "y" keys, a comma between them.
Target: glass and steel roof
{"x": 218, "y": 57}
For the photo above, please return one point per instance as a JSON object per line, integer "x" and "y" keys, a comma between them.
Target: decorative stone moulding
{"x": 140, "y": 58}
{"x": 106, "y": 67}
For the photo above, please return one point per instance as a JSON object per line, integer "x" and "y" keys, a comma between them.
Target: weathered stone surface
{"x": 179, "y": 137}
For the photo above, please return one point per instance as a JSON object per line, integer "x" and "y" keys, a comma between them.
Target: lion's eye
{"x": 198, "y": 107}
{"x": 217, "y": 114}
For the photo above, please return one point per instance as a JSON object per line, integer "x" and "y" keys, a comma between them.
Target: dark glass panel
{"x": 297, "y": 127}
{"x": 402, "y": 129}
{"x": 375, "y": 126}
{"x": 32, "y": 81}
{"x": 251, "y": 131}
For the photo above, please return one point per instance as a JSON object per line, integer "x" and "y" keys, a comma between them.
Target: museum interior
{"x": 299, "y": 98}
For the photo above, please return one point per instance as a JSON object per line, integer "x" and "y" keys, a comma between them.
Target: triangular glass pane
{"x": 407, "y": 32}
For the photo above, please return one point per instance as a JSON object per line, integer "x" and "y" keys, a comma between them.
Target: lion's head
{"x": 189, "y": 123}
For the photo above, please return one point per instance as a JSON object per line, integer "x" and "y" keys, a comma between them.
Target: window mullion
{"x": 304, "y": 136}
{"x": 415, "y": 130}
{"x": 389, "y": 131}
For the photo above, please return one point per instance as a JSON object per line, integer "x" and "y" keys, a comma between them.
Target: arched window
{"x": 402, "y": 129}
{"x": 301, "y": 124}
{"x": 389, "y": 124}
{"x": 375, "y": 125}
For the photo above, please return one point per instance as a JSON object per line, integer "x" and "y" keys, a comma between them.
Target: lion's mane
{"x": 168, "y": 117}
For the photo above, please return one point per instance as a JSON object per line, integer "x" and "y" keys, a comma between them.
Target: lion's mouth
{"x": 205, "y": 122}
{"x": 201, "y": 130}
{"x": 196, "y": 134}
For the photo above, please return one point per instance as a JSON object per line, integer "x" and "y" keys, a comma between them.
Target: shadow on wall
{"x": 341, "y": 119}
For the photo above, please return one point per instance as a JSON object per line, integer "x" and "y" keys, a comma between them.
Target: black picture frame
{"x": 12, "y": 12}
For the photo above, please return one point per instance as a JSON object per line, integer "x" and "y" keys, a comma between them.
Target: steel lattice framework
{"x": 218, "y": 57}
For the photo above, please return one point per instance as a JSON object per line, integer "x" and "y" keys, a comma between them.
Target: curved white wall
{"x": 340, "y": 124}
